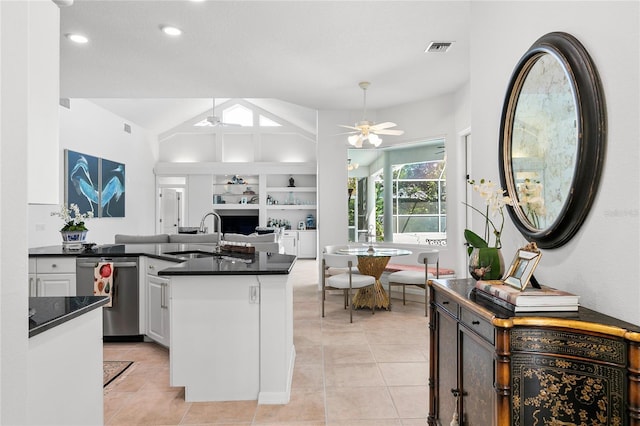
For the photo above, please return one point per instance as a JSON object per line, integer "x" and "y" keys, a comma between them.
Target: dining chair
{"x": 416, "y": 278}
{"x": 331, "y": 270}
{"x": 346, "y": 281}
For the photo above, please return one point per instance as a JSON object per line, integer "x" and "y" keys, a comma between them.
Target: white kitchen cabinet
{"x": 64, "y": 374}
{"x": 290, "y": 242}
{"x": 300, "y": 243}
{"x": 43, "y": 96}
{"x": 52, "y": 276}
{"x": 158, "y": 293}
{"x": 307, "y": 242}
{"x": 215, "y": 337}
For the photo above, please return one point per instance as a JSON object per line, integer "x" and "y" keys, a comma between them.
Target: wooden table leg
{"x": 374, "y": 266}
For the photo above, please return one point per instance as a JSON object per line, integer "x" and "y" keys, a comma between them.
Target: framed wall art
{"x": 95, "y": 184}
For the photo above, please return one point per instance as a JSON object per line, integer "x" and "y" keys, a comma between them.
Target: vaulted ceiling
{"x": 308, "y": 53}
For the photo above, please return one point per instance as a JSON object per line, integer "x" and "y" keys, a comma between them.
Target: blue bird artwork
{"x": 113, "y": 186}
{"x": 96, "y": 185}
{"x": 82, "y": 182}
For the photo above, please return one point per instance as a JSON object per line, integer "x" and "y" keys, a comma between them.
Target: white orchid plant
{"x": 531, "y": 201}
{"x": 72, "y": 218}
{"x": 495, "y": 200}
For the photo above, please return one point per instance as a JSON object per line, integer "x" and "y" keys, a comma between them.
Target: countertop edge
{"x": 101, "y": 300}
{"x": 183, "y": 267}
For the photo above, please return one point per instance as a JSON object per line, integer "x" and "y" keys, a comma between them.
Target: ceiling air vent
{"x": 439, "y": 46}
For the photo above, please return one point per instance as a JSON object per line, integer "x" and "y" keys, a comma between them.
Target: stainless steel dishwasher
{"x": 121, "y": 320}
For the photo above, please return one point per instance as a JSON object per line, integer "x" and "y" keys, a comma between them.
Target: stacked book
{"x": 529, "y": 300}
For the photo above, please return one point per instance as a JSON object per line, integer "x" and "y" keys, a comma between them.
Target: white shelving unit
{"x": 291, "y": 203}
{"x": 210, "y": 183}
{"x": 230, "y": 194}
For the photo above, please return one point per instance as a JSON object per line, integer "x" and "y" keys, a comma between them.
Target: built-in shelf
{"x": 236, "y": 206}
{"x": 291, "y": 189}
{"x": 291, "y": 207}
{"x": 207, "y": 186}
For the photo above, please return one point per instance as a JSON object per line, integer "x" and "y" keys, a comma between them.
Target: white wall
{"x": 14, "y": 118}
{"x": 90, "y": 129}
{"x": 601, "y": 262}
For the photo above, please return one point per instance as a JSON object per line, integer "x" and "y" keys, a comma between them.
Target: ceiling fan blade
{"x": 384, "y": 125}
{"x": 348, "y": 127}
{"x": 388, "y": 132}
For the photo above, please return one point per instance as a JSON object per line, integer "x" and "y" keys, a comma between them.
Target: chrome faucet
{"x": 218, "y": 222}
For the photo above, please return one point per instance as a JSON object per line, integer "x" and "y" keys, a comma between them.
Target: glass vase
{"x": 486, "y": 263}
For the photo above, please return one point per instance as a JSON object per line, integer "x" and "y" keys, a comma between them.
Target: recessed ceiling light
{"x": 77, "y": 38}
{"x": 169, "y": 30}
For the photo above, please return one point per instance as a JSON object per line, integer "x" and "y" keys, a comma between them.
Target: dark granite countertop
{"x": 223, "y": 263}
{"x": 260, "y": 263}
{"x": 49, "y": 312}
{"x": 160, "y": 251}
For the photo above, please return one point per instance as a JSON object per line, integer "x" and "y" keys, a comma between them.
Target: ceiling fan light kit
{"x": 367, "y": 130}
{"x": 213, "y": 120}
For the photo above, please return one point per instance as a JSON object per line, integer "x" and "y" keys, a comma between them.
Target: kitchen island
{"x": 65, "y": 360}
{"x": 232, "y": 328}
{"x": 229, "y": 315}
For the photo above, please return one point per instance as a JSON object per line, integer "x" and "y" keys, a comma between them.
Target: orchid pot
{"x": 74, "y": 236}
{"x": 486, "y": 263}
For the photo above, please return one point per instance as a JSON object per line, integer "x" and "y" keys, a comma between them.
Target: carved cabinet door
{"x": 447, "y": 366}
{"x": 478, "y": 398}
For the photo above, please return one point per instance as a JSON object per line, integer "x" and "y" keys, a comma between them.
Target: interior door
{"x": 170, "y": 208}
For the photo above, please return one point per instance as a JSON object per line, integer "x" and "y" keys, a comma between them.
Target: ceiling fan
{"x": 368, "y": 130}
{"x": 213, "y": 120}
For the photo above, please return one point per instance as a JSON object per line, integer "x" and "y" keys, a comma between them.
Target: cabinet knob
{"x": 53, "y": 265}
{"x": 446, "y": 302}
{"x": 476, "y": 322}
{"x": 151, "y": 267}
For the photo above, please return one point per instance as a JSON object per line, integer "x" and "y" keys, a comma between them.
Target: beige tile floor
{"x": 369, "y": 373}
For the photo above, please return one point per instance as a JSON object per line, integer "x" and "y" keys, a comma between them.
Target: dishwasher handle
{"x": 115, "y": 264}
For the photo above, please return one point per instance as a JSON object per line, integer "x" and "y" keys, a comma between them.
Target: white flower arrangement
{"x": 531, "y": 201}
{"x": 72, "y": 218}
{"x": 495, "y": 200}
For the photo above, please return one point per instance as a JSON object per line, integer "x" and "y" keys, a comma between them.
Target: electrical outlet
{"x": 40, "y": 227}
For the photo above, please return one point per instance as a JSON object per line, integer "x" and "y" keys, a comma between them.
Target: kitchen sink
{"x": 191, "y": 254}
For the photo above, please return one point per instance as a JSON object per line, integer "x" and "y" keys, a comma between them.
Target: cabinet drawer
{"x": 447, "y": 303}
{"x": 48, "y": 265}
{"x": 478, "y": 324}
{"x": 154, "y": 265}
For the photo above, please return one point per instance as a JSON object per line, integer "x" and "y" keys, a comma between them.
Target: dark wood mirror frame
{"x": 591, "y": 133}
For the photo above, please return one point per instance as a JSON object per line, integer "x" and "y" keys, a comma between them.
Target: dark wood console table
{"x": 493, "y": 367}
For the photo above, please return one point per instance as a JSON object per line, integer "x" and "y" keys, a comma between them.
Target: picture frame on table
{"x": 521, "y": 269}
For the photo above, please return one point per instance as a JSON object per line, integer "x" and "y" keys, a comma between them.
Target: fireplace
{"x": 239, "y": 224}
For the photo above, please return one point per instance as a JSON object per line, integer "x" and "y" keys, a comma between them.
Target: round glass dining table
{"x": 372, "y": 261}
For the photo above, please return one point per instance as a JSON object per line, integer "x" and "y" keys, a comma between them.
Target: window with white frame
{"x": 419, "y": 201}
{"x": 417, "y": 208}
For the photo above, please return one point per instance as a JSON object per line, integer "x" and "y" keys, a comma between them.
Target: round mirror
{"x": 552, "y": 139}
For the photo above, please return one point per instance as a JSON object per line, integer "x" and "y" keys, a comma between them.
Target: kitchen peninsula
{"x": 230, "y": 317}
{"x": 65, "y": 360}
